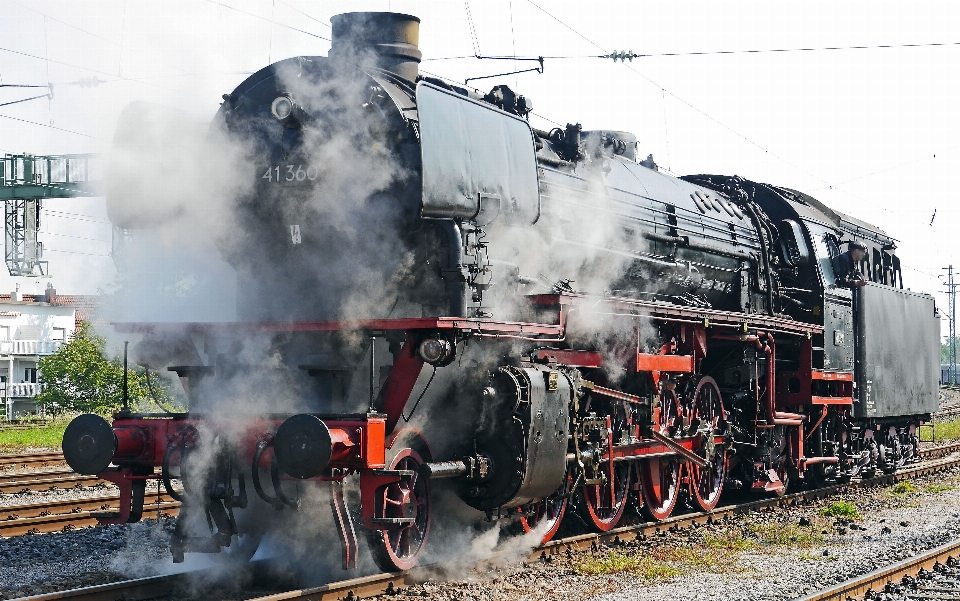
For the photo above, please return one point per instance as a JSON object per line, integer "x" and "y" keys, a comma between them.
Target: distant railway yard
{"x": 890, "y": 537}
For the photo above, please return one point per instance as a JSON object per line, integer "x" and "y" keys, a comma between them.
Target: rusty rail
{"x": 856, "y": 588}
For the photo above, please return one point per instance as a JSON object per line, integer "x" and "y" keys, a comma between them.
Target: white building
{"x": 31, "y": 327}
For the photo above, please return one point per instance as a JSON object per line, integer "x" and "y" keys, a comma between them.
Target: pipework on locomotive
{"x": 568, "y": 329}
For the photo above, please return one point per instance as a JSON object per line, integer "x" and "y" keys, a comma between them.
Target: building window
{"x": 59, "y": 334}
{"x": 30, "y": 375}
{"x": 4, "y": 332}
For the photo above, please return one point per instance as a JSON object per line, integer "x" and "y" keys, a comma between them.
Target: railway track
{"x": 45, "y": 480}
{"x": 56, "y": 516}
{"x": 30, "y": 460}
{"x": 932, "y": 575}
{"x": 377, "y": 584}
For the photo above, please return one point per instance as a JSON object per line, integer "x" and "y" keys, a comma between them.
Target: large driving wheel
{"x": 602, "y": 505}
{"x": 706, "y": 483}
{"x": 660, "y": 486}
{"x": 407, "y": 503}
{"x": 547, "y": 515}
{"x": 660, "y": 477}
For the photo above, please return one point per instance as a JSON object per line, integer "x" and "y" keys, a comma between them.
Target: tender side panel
{"x": 898, "y": 344}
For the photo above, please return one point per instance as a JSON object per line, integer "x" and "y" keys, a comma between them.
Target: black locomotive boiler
{"x": 547, "y": 324}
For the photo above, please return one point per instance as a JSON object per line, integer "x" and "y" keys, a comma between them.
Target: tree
{"x": 79, "y": 378}
{"x": 945, "y": 350}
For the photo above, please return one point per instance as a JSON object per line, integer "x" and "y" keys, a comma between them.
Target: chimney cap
{"x": 392, "y": 38}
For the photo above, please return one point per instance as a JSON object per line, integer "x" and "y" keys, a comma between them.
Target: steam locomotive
{"x": 534, "y": 319}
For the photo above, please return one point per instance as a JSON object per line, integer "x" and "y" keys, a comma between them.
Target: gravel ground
{"x": 764, "y": 556}
{"x": 29, "y": 450}
{"x": 52, "y": 562}
{"x": 775, "y": 555}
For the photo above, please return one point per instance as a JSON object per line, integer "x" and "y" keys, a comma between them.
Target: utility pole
{"x": 952, "y": 299}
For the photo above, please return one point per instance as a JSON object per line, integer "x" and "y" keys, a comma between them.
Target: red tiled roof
{"x": 85, "y": 304}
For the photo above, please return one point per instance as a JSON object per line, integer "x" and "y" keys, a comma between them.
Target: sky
{"x": 872, "y": 132}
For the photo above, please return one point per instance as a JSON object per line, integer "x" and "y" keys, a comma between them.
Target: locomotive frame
{"x": 664, "y": 453}
{"x": 748, "y": 370}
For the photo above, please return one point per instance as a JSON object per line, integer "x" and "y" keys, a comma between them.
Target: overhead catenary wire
{"x": 293, "y": 8}
{"x": 75, "y": 252}
{"x": 683, "y": 101}
{"x": 80, "y": 29}
{"x": 24, "y": 100}
{"x": 473, "y": 29}
{"x": 630, "y": 55}
{"x": 50, "y": 126}
{"x": 75, "y": 216}
{"x": 278, "y": 23}
{"x": 66, "y": 64}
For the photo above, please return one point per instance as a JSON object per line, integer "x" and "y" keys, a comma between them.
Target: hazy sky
{"x": 872, "y": 132}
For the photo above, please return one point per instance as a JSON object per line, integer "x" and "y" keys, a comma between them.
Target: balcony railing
{"x": 20, "y": 390}
{"x": 29, "y": 347}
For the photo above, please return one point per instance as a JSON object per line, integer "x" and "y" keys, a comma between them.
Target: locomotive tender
{"x": 567, "y": 328}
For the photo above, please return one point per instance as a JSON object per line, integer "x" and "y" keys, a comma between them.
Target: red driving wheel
{"x": 660, "y": 477}
{"x": 706, "y": 483}
{"x": 547, "y": 515}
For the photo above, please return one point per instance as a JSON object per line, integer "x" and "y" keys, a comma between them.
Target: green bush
{"x": 80, "y": 378}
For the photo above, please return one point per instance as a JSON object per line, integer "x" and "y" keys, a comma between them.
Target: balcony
{"x": 29, "y": 347}
{"x": 23, "y": 390}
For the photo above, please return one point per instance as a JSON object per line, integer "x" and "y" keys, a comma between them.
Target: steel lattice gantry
{"x": 24, "y": 181}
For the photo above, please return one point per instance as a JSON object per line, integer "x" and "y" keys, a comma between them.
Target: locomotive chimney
{"x": 384, "y": 40}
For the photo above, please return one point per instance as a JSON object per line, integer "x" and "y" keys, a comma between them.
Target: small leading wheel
{"x": 407, "y": 503}
{"x": 602, "y": 505}
{"x": 706, "y": 483}
{"x": 548, "y": 514}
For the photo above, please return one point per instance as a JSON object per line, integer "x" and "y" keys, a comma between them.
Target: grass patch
{"x": 48, "y": 435}
{"x": 785, "y": 535}
{"x": 615, "y": 562}
{"x": 817, "y": 557}
{"x": 728, "y": 542}
{"x": 700, "y": 558}
{"x": 935, "y": 488}
{"x": 942, "y": 431}
{"x": 841, "y": 509}
{"x": 903, "y": 488}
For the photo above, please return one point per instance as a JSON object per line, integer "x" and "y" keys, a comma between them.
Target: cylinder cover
{"x": 303, "y": 446}
{"x": 89, "y": 444}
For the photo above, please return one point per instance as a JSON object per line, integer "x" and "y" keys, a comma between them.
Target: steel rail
{"x": 40, "y": 481}
{"x": 856, "y": 588}
{"x": 31, "y": 460}
{"x": 378, "y": 584}
{"x": 56, "y": 516}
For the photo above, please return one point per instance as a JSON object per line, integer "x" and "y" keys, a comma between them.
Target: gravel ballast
{"x": 741, "y": 558}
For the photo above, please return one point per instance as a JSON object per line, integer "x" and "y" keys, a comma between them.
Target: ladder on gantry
{"x": 25, "y": 180}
